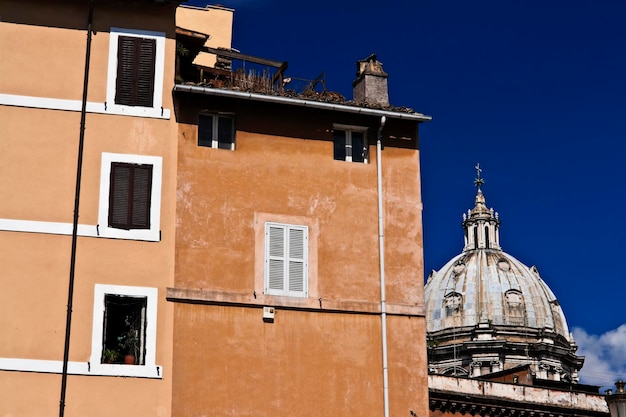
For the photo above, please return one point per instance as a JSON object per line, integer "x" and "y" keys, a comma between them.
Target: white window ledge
{"x": 81, "y": 368}
{"x": 55, "y": 228}
{"x": 76, "y": 105}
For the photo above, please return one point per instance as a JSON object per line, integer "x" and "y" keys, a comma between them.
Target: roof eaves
{"x": 418, "y": 117}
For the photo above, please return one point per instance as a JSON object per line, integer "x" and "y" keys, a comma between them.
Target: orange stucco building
{"x": 126, "y": 227}
{"x": 277, "y": 289}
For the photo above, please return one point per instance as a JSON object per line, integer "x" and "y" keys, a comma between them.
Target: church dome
{"x": 486, "y": 283}
{"x": 487, "y": 312}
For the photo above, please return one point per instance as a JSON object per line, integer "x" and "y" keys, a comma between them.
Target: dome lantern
{"x": 481, "y": 224}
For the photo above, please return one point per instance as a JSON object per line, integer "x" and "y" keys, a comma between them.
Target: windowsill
{"x": 76, "y": 105}
{"x": 56, "y": 228}
{"x": 81, "y": 368}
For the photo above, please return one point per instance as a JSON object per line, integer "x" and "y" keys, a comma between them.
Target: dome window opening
{"x": 487, "y": 237}
{"x": 503, "y": 265}
{"x": 514, "y": 308}
{"x": 452, "y": 304}
{"x": 458, "y": 268}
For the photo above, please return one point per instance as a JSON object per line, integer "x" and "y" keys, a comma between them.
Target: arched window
{"x": 487, "y": 236}
{"x": 475, "y": 237}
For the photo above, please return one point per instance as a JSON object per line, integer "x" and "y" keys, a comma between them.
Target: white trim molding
{"x": 149, "y": 366}
{"x": 79, "y": 368}
{"x": 102, "y": 229}
{"x": 75, "y": 105}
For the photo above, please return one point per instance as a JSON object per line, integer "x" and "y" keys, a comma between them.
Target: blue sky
{"x": 535, "y": 91}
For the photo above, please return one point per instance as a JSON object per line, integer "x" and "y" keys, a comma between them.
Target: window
{"x": 130, "y": 197}
{"x": 453, "y": 303}
{"x": 350, "y": 143}
{"x": 135, "y": 72}
{"x": 286, "y": 260}
{"x": 216, "y": 131}
{"x": 124, "y": 330}
{"x": 515, "y": 311}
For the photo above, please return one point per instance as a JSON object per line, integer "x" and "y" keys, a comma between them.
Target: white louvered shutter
{"x": 286, "y": 258}
{"x": 275, "y": 247}
{"x": 295, "y": 274}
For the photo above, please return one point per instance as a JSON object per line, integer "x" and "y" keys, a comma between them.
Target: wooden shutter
{"x": 142, "y": 190}
{"x": 130, "y": 192}
{"x": 119, "y": 190}
{"x": 135, "y": 71}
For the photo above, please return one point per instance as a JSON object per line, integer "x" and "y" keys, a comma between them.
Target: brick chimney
{"x": 370, "y": 85}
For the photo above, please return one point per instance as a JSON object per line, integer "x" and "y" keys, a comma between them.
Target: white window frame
{"x": 285, "y": 291}
{"x": 159, "y": 67}
{"x": 214, "y": 139}
{"x": 349, "y": 129}
{"x": 149, "y": 366}
{"x": 103, "y": 229}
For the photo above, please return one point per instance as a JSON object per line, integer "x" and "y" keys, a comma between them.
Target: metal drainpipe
{"x": 381, "y": 247}
{"x": 79, "y": 169}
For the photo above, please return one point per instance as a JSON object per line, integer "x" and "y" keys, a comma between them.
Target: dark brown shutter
{"x": 145, "y": 72}
{"x": 118, "y": 195}
{"x": 129, "y": 196}
{"x": 135, "y": 71}
{"x": 142, "y": 186}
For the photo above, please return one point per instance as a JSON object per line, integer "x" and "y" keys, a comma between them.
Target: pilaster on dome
{"x": 481, "y": 224}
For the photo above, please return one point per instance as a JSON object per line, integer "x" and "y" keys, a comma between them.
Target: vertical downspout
{"x": 79, "y": 169}
{"x": 381, "y": 248}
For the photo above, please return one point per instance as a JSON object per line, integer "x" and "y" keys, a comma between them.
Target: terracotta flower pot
{"x": 129, "y": 359}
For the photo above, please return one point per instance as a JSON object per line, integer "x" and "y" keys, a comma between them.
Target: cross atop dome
{"x": 479, "y": 180}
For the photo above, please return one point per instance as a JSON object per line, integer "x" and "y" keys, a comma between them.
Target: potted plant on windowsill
{"x": 129, "y": 344}
{"x": 110, "y": 356}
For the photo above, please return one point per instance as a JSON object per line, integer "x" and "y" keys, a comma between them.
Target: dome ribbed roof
{"x": 491, "y": 285}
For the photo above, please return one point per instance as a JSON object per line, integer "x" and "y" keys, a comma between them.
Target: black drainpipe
{"x": 79, "y": 170}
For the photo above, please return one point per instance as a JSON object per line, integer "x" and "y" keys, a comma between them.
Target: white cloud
{"x": 605, "y": 356}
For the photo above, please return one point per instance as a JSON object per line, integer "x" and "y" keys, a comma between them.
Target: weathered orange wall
{"x": 309, "y": 362}
{"x": 220, "y": 191}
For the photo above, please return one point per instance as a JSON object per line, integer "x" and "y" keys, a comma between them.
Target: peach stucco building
{"x": 277, "y": 289}
{"x": 125, "y": 237}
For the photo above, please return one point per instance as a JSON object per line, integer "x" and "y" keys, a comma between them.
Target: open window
{"x": 124, "y": 330}
{"x": 216, "y": 131}
{"x": 350, "y": 143}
